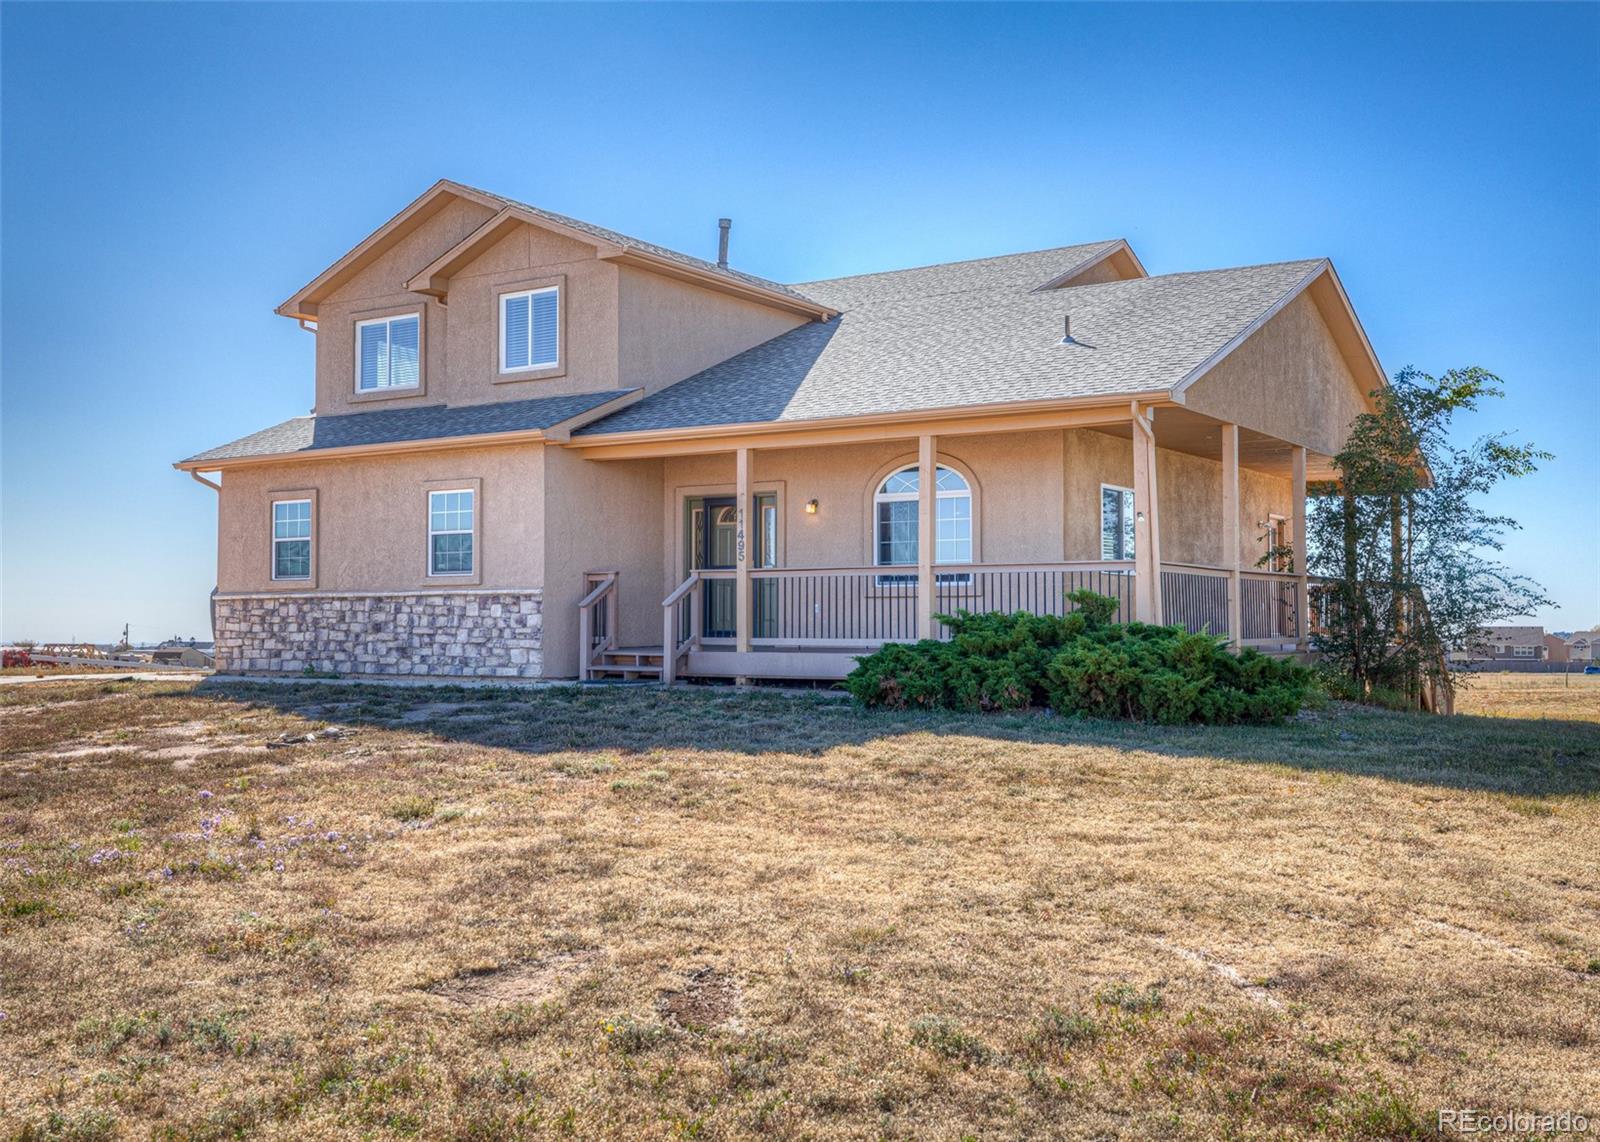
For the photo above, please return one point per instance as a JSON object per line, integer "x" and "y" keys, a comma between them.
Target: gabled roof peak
{"x": 609, "y": 244}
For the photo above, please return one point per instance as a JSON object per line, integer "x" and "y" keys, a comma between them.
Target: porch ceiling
{"x": 1183, "y": 430}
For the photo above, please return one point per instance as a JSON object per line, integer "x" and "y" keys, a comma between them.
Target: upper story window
{"x": 450, "y": 529}
{"x": 530, "y": 329}
{"x": 1116, "y": 522}
{"x": 387, "y": 354}
{"x": 291, "y": 539}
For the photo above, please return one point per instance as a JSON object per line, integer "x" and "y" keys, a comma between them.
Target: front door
{"x": 717, "y": 542}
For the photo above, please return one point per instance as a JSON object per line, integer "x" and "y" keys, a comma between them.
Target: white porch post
{"x": 927, "y": 489}
{"x": 741, "y": 551}
{"x": 1147, "y": 520}
{"x": 1302, "y": 597}
{"x": 1230, "y": 528}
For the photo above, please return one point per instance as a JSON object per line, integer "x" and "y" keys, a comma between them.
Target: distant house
{"x": 1506, "y": 644}
{"x": 181, "y": 656}
{"x": 1581, "y": 645}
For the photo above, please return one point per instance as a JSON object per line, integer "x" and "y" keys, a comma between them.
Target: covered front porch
{"x": 785, "y": 556}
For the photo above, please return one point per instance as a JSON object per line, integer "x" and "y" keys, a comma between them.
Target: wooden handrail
{"x": 681, "y": 589}
{"x": 593, "y": 596}
{"x": 605, "y": 589}
{"x": 672, "y": 649}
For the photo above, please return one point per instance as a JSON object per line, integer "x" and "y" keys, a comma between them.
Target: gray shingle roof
{"x": 389, "y": 426}
{"x": 1017, "y": 272}
{"x": 630, "y": 243}
{"x": 971, "y": 334}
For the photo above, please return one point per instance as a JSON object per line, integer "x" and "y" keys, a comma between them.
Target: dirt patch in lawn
{"x": 526, "y": 982}
{"x": 708, "y": 998}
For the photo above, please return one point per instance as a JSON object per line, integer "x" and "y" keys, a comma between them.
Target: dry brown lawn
{"x": 1506, "y": 695}
{"x": 625, "y": 913}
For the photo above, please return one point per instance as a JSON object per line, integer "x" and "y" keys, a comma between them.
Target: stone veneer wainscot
{"x": 442, "y": 633}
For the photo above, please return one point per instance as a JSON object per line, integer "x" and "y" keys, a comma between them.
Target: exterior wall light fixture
{"x": 811, "y": 507}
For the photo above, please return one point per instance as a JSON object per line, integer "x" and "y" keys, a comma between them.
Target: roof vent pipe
{"x": 722, "y": 242}
{"x": 1066, "y": 329}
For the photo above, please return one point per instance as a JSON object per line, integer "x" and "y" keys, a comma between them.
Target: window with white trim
{"x": 1522, "y": 652}
{"x": 291, "y": 539}
{"x": 388, "y": 353}
{"x": 530, "y": 329}
{"x": 1116, "y": 522}
{"x": 896, "y": 529}
{"x": 450, "y": 527}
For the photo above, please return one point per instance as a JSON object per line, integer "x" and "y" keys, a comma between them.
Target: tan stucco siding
{"x": 378, "y": 290}
{"x": 1190, "y": 493}
{"x": 1288, "y": 380}
{"x": 1104, "y": 270}
{"x": 670, "y": 329}
{"x": 387, "y": 272}
{"x": 600, "y": 517}
{"x": 371, "y": 520}
{"x": 461, "y": 362}
{"x": 526, "y": 258}
{"x": 1018, "y": 511}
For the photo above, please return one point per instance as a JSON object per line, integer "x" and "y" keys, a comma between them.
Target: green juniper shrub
{"x": 1081, "y": 663}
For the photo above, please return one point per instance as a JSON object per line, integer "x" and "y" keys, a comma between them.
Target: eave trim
{"x": 917, "y": 416}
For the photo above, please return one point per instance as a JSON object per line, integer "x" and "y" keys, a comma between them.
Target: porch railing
{"x": 597, "y": 620}
{"x": 1195, "y": 597}
{"x": 680, "y": 624}
{"x": 1269, "y": 606}
{"x": 1035, "y": 588}
{"x": 852, "y": 608}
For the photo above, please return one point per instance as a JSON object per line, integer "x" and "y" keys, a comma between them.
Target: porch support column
{"x": 927, "y": 489}
{"x": 741, "y": 550}
{"x": 1147, "y": 520}
{"x": 1230, "y": 528}
{"x": 1298, "y": 523}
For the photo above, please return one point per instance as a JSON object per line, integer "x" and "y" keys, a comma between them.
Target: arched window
{"x": 894, "y": 506}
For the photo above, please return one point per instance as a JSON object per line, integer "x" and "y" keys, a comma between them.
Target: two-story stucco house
{"x": 544, "y": 449}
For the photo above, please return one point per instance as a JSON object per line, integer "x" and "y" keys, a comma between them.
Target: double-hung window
{"x": 1116, "y": 522}
{"x": 291, "y": 539}
{"x": 450, "y": 529}
{"x": 530, "y": 330}
{"x": 387, "y": 353}
{"x": 895, "y": 523}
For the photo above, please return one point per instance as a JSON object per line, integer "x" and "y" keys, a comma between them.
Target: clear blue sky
{"x": 170, "y": 173}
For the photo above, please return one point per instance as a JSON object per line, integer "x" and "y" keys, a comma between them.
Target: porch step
{"x": 629, "y": 662}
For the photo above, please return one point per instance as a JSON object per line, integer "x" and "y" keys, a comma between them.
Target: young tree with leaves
{"x": 1410, "y": 554}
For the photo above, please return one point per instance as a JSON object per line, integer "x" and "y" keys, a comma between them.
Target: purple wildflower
{"x": 206, "y": 794}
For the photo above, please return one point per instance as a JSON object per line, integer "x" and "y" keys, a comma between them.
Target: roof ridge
{"x": 629, "y": 240}
{"x": 956, "y": 262}
{"x": 1232, "y": 269}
